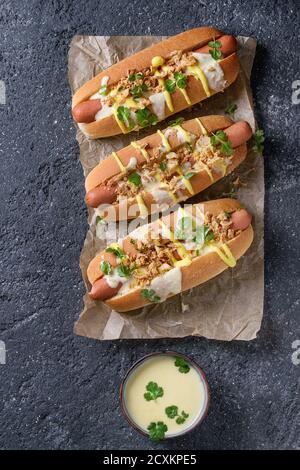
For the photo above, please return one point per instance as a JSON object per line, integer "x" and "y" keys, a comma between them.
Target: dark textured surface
{"x": 61, "y": 391}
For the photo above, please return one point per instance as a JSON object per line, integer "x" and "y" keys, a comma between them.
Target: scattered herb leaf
{"x": 134, "y": 178}
{"x": 163, "y": 166}
{"x": 182, "y": 365}
{"x": 157, "y": 430}
{"x": 181, "y": 79}
{"x": 153, "y": 391}
{"x": 214, "y": 51}
{"x": 100, "y": 220}
{"x": 145, "y": 117}
{"x": 138, "y": 90}
{"x": 231, "y": 109}
{"x": 220, "y": 141}
{"x": 203, "y": 235}
{"x": 181, "y": 419}
{"x": 228, "y": 214}
{"x": 117, "y": 251}
{"x": 150, "y": 294}
{"x": 170, "y": 85}
{"x": 172, "y": 411}
{"x": 103, "y": 90}
{"x": 189, "y": 174}
{"x": 184, "y": 228}
{"x": 124, "y": 115}
{"x": 105, "y": 267}
{"x": 176, "y": 122}
{"x": 259, "y": 138}
{"x": 123, "y": 271}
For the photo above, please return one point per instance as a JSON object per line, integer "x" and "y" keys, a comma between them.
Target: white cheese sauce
{"x": 158, "y": 104}
{"x": 212, "y": 70}
{"x": 167, "y": 284}
{"x": 132, "y": 164}
{"x": 113, "y": 280}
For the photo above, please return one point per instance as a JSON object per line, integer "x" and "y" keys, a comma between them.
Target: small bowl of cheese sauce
{"x": 165, "y": 395}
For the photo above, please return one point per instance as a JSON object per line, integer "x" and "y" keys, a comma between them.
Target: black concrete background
{"x": 60, "y": 391}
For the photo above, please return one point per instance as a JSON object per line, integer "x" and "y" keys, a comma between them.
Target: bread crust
{"x": 109, "y": 167}
{"x": 202, "y": 268}
{"x": 186, "y": 41}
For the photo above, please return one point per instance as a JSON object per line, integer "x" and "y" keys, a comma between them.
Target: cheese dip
{"x": 165, "y": 388}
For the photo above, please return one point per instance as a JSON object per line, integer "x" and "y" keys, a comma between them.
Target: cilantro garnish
{"x": 134, "y": 178}
{"x": 124, "y": 271}
{"x": 163, "y": 166}
{"x": 157, "y": 430}
{"x": 145, "y": 117}
{"x": 259, "y": 139}
{"x": 124, "y": 115}
{"x": 181, "y": 419}
{"x": 214, "y": 51}
{"x": 172, "y": 411}
{"x": 138, "y": 90}
{"x": 184, "y": 228}
{"x": 231, "y": 109}
{"x": 153, "y": 391}
{"x": 182, "y": 365}
{"x": 170, "y": 85}
{"x": 180, "y": 79}
{"x": 105, "y": 267}
{"x": 117, "y": 251}
{"x": 150, "y": 294}
{"x": 220, "y": 141}
{"x": 203, "y": 234}
{"x": 135, "y": 76}
{"x": 189, "y": 174}
{"x": 100, "y": 220}
{"x": 176, "y": 122}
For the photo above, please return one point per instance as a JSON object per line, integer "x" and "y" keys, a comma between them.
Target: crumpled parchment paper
{"x": 227, "y": 307}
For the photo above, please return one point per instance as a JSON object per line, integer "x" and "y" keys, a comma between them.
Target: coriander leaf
{"x": 134, "y": 178}
{"x": 145, "y": 117}
{"x": 153, "y": 391}
{"x": 150, "y": 294}
{"x": 181, "y": 79}
{"x": 123, "y": 114}
{"x": 139, "y": 76}
{"x": 117, "y": 251}
{"x": 157, "y": 430}
{"x": 170, "y": 85}
{"x": 181, "y": 419}
{"x": 183, "y": 229}
{"x": 227, "y": 214}
{"x": 103, "y": 90}
{"x": 171, "y": 411}
{"x": 138, "y": 90}
{"x": 189, "y": 174}
{"x": 259, "y": 139}
{"x": 131, "y": 77}
{"x": 182, "y": 365}
{"x": 220, "y": 141}
{"x": 100, "y": 220}
{"x": 176, "y": 122}
{"x": 123, "y": 271}
{"x": 105, "y": 267}
{"x": 163, "y": 166}
{"x": 214, "y": 51}
{"x": 231, "y": 109}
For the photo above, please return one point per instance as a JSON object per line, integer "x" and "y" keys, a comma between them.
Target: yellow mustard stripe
{"x": 164, "y": 141}
{"x": 142, "y": 150}
{"x": 197, "y": 71}
{"x": 186, "y": 96}
{"x": 205, "y": 167}
{"x": 121, "y": 166}
{"x": 225, "y": 254}
{"x": 120, "y": 123}
{"x": 180, "y": 248}
{"x": 203, "y": 130}
{"x": 187, "y": 135}
{"x": 167, "y": 95}
{"x": 186, "y": 182}
{"x": 142, "y": 206}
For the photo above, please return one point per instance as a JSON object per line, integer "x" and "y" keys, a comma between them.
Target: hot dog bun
{"x": 187, "y": 41}
{"x": 239, "y": 133}
{"x": 202, "y": 268}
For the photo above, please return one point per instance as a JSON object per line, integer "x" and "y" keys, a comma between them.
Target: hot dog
{"x": 167, "y": 167}
{"x": 157, "y": 82}
{"x": 207, "y": 238}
